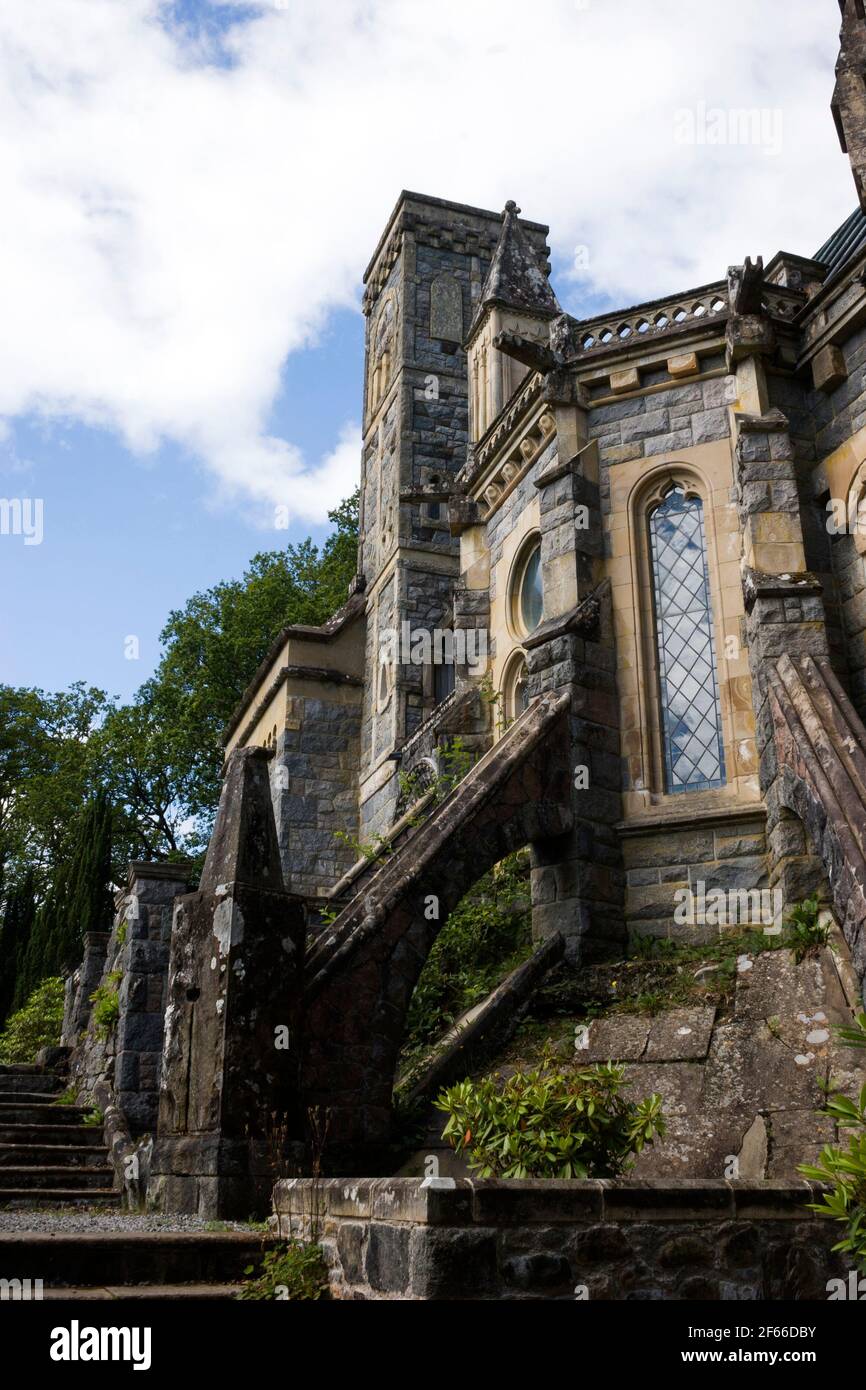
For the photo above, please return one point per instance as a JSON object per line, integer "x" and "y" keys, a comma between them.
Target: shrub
{"x": 487, "y": 934}
{"x": 36, "y": 1025}
{"x": 804, "y": 932}
{"x": 845, "y": 1169}
{"x": 550, "y": 1123}
{"x": 291, "y": 1271}
{"x": 454, "y": 763}
{"x": 106, "y": 1004}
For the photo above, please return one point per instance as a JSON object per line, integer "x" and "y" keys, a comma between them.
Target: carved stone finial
{"x": 745, "y": 286}
{"x": 511, "y": 206}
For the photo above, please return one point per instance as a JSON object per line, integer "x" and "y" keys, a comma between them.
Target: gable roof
{"x": 845, "y": 242}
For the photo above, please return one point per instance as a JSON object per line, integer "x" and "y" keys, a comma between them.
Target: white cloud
{"x": 173, "y": 228}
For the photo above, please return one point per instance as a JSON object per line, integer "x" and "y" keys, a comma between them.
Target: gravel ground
{"x": 68, "y": 1220}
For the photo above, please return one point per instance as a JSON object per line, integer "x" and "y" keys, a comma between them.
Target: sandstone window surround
{"x": 644, "y": 732}
{"x": 381, "y": 353}
{"x": 525, "y": 607}
{"x": 855, "y": 510}
{"x": 685, "y": 644}
{"x": 515, "y": 696}
{"x": 384, "y": 685}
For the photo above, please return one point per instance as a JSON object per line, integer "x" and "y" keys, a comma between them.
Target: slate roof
{"x": 845, "y": 242}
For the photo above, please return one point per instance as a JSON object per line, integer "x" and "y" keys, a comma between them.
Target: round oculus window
{"x": 529, "y": 596}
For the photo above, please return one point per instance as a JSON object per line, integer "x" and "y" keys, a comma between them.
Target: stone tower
{"x": 422, "y": 290}
{"x": 849, "y": 97}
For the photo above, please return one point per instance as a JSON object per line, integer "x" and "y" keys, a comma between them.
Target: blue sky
{"x": 191, "y": 193}
{"x": 127, "y": 538}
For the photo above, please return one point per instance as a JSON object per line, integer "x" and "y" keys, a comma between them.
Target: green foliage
{"x": 18, "y": 919}
{"x": 550, "y": 1123}
{"x": 212, "y": 648}
{"x": 156, "y": 760}
{"x": 106, "y": 1004}
{"x": 845, "y": 1169}
{"x": 454, "y": 760}
{"x": 77, "y": 901}
{"x": 371, "y": 850}
{"x": 291, "y": 1271}
{"x": 856, "y": 1036}
{"x": 94, "y": 1117}
{"x": 486, "y": 935}
{"x": 646, "y": 947}
{"x": 67, "y": 1097}
{"x": 46, "y": 775}
{"x": 803, "y": 931}
{"x": 37, "y": 1024}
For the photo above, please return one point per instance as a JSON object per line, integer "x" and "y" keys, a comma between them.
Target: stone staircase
{"x": 361, "y": 971}
{"x": 48, "y": 1155}
{"x": 820, "y": 747}
{"x": 50, "y": 1158}
{"x": 537, "y": 733}
{"x": 126, "y": 1264}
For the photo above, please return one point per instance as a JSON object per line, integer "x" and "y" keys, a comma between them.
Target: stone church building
{"x": 623, "y": 560}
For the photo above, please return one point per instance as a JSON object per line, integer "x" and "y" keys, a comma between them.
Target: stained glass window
{"x": 691, "y": 715}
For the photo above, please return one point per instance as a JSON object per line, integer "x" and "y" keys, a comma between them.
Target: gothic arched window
{"x": 694, "y": 757}
{"x": 515, "y": 688}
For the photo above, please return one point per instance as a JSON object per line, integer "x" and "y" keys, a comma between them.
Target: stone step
{"x": 20, "y": 1112}
{"x": 18, "y": 1177}
{"x": 110, "y": 1258}
{"x": 21, "y": 1069}
{"x": 57, "y": 1155}
{"x": 80, "y": 1136}
{"x": 16, "y": 1197}
{"x": 30, "y": 1084}
{"x": 189, "y": 1293}
{"x": 28, "y": 1098}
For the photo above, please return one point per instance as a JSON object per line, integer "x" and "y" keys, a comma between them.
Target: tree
{"x": 78, "y": 900}
{"x": 157, "y": 760}
{"x": 46, "y": 775}
{"x": 214, "y": 645}
{"x": 18, "y": 919}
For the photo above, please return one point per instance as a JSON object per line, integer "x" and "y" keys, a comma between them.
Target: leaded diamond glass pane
{"x": 691, "y": 715}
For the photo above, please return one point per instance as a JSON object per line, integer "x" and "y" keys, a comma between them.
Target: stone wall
{"x": 79, "y": 987}
{"x": 728, "y": 851}
{"x": 447, "y": 1239}
{"x": 130, "y": 1056}
{"x": 841, "y": 412}
{"x": 660, "y": 422}
{"x": 314, "y": 783}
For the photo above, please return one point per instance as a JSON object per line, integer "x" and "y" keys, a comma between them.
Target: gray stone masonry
{"x": 314, "y": 786}
{"x": 661, "y": 861}
{"x": 442, "y": 1239}
{"x": 129, "y": 1056}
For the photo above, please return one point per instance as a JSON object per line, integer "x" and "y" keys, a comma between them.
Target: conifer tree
{"x": 18, "y": 920}
{"x": 78, "y": 901}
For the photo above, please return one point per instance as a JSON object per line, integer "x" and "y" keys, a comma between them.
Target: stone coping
{"x": 175, "y": 870}
{"x": 490, "y": 1202}
{"x": 651, "y": 821}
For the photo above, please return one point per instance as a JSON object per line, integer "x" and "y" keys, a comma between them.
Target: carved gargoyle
{"x": 537, "y": 356}
{"x": 745, "y": 286}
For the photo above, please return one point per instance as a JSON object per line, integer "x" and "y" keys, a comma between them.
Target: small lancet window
{"x": 694, "y": 755}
